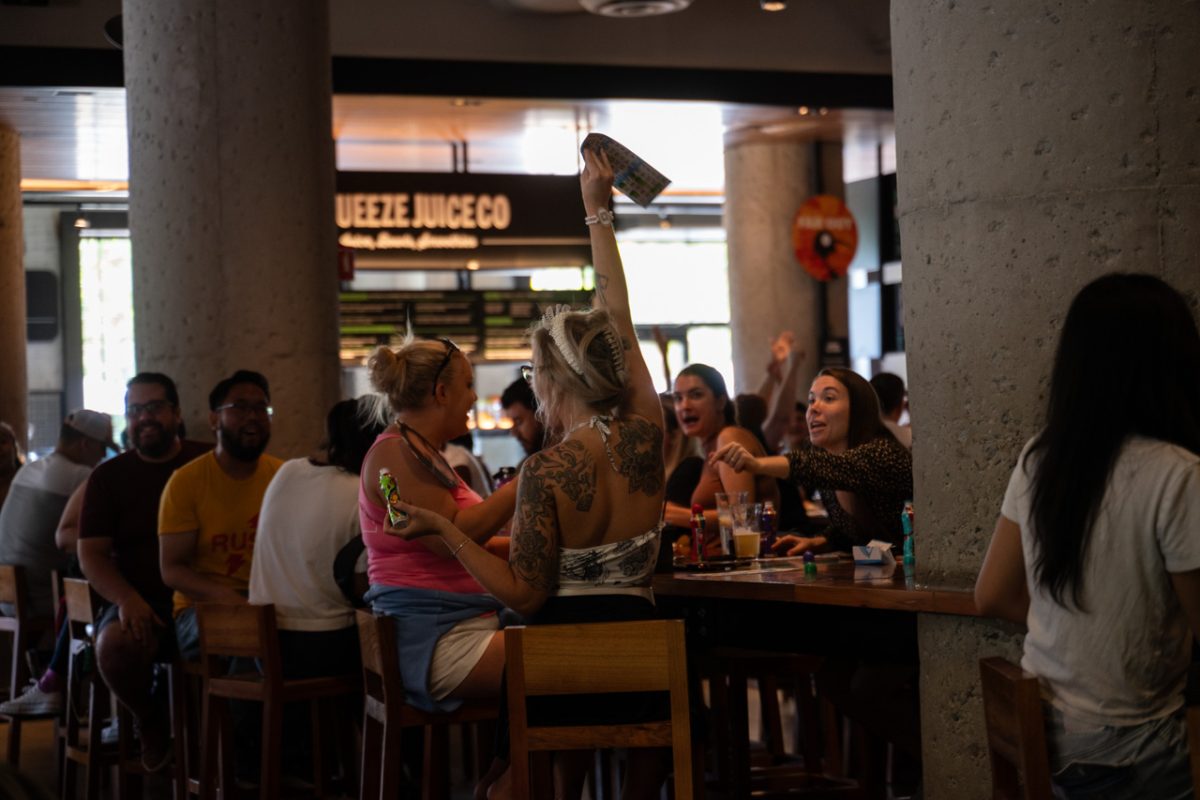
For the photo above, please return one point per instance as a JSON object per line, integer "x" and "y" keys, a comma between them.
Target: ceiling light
{"x": 802, "y": 111}
{"x": 473, "y": 264}
{"x": 773, "y": 5}
{"x": 634, "y": 8}
{"x": 81, "y": 222}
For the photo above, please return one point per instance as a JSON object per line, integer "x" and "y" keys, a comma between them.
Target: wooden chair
{"x": 386, "y": 714}
{"x": 738, "y": 771}
{"x": 249, "y": 632}
{"x": 1012, "y": 706}
{"x": 21, "y": 630}
{"x": 598, "y": 658}
{"x": 1191, "y": 701}
{"x": 187, "y": 699}
{"x": 83, "y": 747}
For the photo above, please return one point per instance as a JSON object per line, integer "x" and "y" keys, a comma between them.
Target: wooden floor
{"x": 37, "y": 752}
{"x": 38, "y": 762}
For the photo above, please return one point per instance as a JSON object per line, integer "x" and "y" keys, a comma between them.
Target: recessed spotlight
{"x": 81, "y": 222}
{"x": 772, "y": 5}
{"x": 473, "y": 264}
{"x": 802, "y": 111}
{"x": 824, "y": 112}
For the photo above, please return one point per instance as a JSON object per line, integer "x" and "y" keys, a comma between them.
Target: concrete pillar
{"x": 766, "y": 181}
{"x": 13, "y": 379}
{"x": 231, "y": 202}
{"x": 1039, "y": 146}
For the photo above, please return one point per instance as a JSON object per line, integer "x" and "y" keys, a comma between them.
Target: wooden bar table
{"x": 855, "y": 615}
{"x": 837, "y": 583}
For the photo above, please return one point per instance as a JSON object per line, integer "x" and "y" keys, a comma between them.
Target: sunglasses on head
{"x": 451, "y": 349}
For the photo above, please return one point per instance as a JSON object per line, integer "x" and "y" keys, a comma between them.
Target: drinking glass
{"x": 746, "y": 532}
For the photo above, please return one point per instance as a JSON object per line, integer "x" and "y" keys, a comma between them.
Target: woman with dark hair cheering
{"x": 1097, "y": 548}
{"x": 706, "y": 412}
{"x": 863, "y": 474}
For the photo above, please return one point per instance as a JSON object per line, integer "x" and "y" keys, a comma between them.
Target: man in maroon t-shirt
{"x": 118, "y": 552}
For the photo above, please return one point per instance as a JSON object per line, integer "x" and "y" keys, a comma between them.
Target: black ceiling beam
{"x": 591, "y": 81}
{"x": 51, "y": 66}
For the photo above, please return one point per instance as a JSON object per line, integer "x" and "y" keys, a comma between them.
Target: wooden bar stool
{"x": 187, "y": 699}
{"x": 249, "y": 632}
{"x": 83, "y": 747}
{"x": 598, "y": 658}
{"x": 386, "y": 714}
{"x": 1016, "y": 734}
{"x": 21, "y": 631}
{"x": 729, "y": 670}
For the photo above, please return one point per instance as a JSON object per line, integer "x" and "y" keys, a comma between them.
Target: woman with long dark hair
{"x": 863, "y": 474}
{"x": 1097, "y": 548}
{"x": 706, "y": 412}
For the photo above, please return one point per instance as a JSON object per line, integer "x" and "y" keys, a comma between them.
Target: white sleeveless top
{"x": 623, "y": 567}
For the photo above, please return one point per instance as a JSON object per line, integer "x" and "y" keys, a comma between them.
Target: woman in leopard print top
{"x": 864, "y": 474}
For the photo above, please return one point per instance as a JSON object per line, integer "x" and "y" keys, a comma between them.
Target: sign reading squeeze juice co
{"x": 428, "y": 213}
{"x": 453, "y": 211}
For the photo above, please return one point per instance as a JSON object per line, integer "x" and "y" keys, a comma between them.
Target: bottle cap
{"x": 808, "y": 557}
{"x": 697, "y": 508}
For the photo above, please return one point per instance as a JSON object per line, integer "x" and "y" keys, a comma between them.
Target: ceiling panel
{"x": 80, "y": 134}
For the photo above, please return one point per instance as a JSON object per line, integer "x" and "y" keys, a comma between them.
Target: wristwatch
{"x": 602, "y": 217}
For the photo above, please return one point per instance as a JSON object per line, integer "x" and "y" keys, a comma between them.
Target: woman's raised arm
{"x": 612, "y": 292}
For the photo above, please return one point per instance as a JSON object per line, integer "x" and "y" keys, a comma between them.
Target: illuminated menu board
{"x": 492, "y": 325}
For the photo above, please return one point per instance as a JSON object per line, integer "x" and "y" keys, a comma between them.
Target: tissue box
{"x": 874, "y": 552}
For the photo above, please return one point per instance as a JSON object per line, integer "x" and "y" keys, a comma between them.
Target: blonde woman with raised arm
{"x": 586, "y": 532}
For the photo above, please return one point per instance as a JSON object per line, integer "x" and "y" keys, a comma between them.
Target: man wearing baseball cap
{"x": 36, "y": 499}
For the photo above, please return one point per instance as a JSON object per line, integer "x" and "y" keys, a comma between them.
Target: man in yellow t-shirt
{"x": 209, "y": 509}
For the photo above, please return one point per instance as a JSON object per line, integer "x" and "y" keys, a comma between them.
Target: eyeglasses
{"x": 153, "y": 408}
{"x": 244, "y": 409}
{"x": 451, "y": 349}
{"x": 527, "y": 372}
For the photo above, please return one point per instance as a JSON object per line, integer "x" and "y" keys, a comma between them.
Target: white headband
{"x": 555, "y": 321}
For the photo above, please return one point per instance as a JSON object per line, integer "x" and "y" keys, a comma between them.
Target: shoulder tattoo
{"x": 639, "y": 456}
{"x": 571, "y": 469}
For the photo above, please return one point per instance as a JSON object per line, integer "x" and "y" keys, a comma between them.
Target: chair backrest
{"x": 12, "y": 591}
{"x": 1192, "y": 703}
{"x": 594, "y": 658}
{"x": 238, "y": 631}
{"x": 81, "y": 605}
{"x": 599, "y": 658}
{"x": 380, "y": 656}
{"x": 12, "y": 588}
{"x": 1012, "y": 706}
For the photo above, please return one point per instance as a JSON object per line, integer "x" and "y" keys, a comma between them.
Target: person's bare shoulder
{"x": 733, "y": 433}
{"x": 638, "y": 451}
{"x": 567, "y": 467}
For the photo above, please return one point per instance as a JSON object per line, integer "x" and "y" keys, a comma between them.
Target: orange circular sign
{"x": 824, "y": 236}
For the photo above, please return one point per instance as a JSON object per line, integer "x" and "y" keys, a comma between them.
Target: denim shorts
{"x": 187, "y": 634}
{"x": 1116, "y": 762}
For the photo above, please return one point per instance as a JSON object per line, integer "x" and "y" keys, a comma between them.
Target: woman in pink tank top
{"x": 446, "y": 623}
